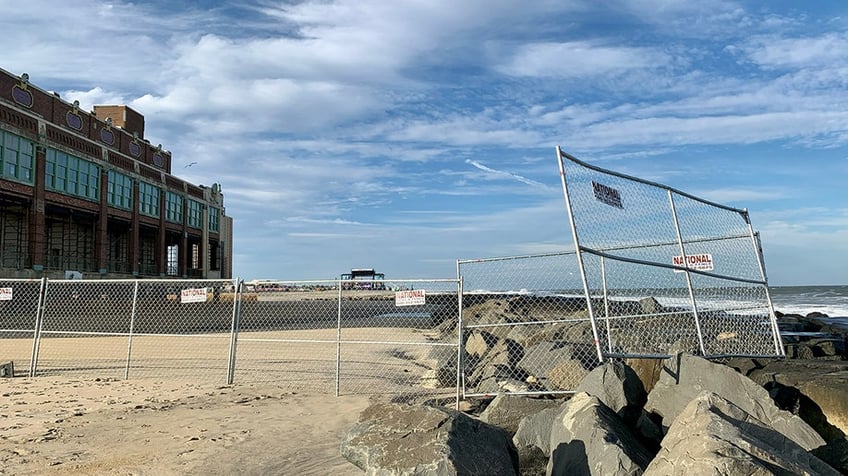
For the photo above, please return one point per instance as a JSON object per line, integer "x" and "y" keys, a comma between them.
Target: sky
{"x": 403, "y": 135}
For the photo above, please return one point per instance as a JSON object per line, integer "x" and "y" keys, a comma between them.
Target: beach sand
{"x": 82, "y": 417}
{"x": 61, "y": 425}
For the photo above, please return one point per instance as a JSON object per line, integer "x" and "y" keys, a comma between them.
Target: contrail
{"x": 508, "y": 174}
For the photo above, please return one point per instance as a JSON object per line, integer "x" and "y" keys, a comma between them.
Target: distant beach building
{"x": 85, "y": 194}
{"x": 363, "y": 278}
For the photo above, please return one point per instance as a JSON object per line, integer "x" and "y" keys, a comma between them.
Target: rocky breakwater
{"x": 528, "y": 343}
{"x": 699, "y": 417}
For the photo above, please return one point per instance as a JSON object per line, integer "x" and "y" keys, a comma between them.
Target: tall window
{"x": 72, "y": 175}
{"x": 17, "y": 157}
{"x": 120, "y": 190}
{"x": 173, "y": 260}
{"x": 173, "y": 207}
{"x": 148, "y": 199}
{"x": 195, "y": 214}
{"x": 214, "y": 219}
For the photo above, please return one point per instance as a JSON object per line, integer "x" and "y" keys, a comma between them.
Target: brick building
{"x": 85, "y": 193}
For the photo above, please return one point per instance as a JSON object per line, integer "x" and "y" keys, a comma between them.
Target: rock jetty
{"x": 680, "y": 415}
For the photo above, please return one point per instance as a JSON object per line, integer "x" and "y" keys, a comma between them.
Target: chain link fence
{"x": 526, "y": 325}
{"x": 321, "y": 336}
{"x": 691, "y": 270}
{"x": 351, "y": 337}
{"x": 655, "y": 271}
{"x": 135, "y": 329}
{"x": 19, "y": 306}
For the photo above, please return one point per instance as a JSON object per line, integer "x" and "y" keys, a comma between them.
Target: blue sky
{"x": 403, "y": 135}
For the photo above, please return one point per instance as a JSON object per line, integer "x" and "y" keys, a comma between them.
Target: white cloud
{"x": 579, "y": 59}
{"x": 515, "y": 176}
{"x": 827, "y": 50}
{"x": 408, "y": 131}
{"x": 740, "y": 129}
{"x": 736, "y": 195}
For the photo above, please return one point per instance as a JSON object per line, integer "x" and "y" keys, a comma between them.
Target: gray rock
{"x": 743, "y": 365}
{"x": 7, "y": 369}
{"x": 395, "y": 439}
{"x": 493, "y": 379}
{"x": 650, "y": 305}
{"x": 823, "y": 383}
{"x": 534, "y": 431}
{"x": 539, "y": 359}
{"x": 589, "y": 438}
{"x": 618, "y": 387}
{"x": 441, "y": 361}
{"x": 685, "y": 376}
{"x": 532, "y": 439}
{"x": 712, "y": 436}
{"x": 497, "y": 365}
{"x": 566, "y": 375}
{"x": 479, "y": 343}
{"x": 506, "y": 411}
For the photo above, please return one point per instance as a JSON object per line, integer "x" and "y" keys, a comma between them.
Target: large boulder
{"x": 534, "y": 431}
{"x": 395, "y": 439}
{"x": 506, "y": 411}
{"x": 566, "y": 375}
{"x": 587, "y": 437}
{"x": 533, "y": 441}
{"x": 539, "y": 359}
{"x": 685, "y": 376}
{"x": 824, "y": 384}
{"x": 618, "y": 387}
{"x": 712, "y": 436}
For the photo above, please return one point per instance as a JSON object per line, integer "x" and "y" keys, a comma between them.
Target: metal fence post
{"x": 234, "y": 330}
{"x": 460, "y": 366}
{"x": 339, "y": 339}
{"x": 687, "y": 274}
{"x": 606, "y": 303}
{"x": 132, "y": 327}
{"x": 39, "y": 320}
{"x": 758, "y": 249}
{"x": 579, "y": 251}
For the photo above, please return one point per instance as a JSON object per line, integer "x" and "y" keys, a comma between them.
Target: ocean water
{"x": 830, "y": 300}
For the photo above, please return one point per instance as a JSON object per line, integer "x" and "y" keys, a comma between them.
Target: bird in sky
{"x": 189, "y": 165}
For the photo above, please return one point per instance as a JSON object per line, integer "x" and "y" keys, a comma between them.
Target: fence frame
{"x": 237, "y": 310}
{"x": 681, "y": 243}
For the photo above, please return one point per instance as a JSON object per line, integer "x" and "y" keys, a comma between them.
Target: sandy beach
{"x": 61, "y": 425}
{"x": 176, "y": 415}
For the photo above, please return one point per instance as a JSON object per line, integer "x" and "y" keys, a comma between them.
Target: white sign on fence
{"x": 414, "y": 297}
{"x": 701, "y": 262}
{"x": 5, "y": 294}
{"x": 193, "y": 295}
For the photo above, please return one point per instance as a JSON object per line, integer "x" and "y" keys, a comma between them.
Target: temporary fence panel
{"x": 132, "y": 328}
{"x": 82, "y": 328}
{"x": 182, "y": 328}
{"x": 287, "y": 334}
{"x": 19, "y": 309}
{"x": 694, "y": 267}
{"x": 398, "y": 338}
{"x": 349, "y": 336}
{"x": 526, "y": 326}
